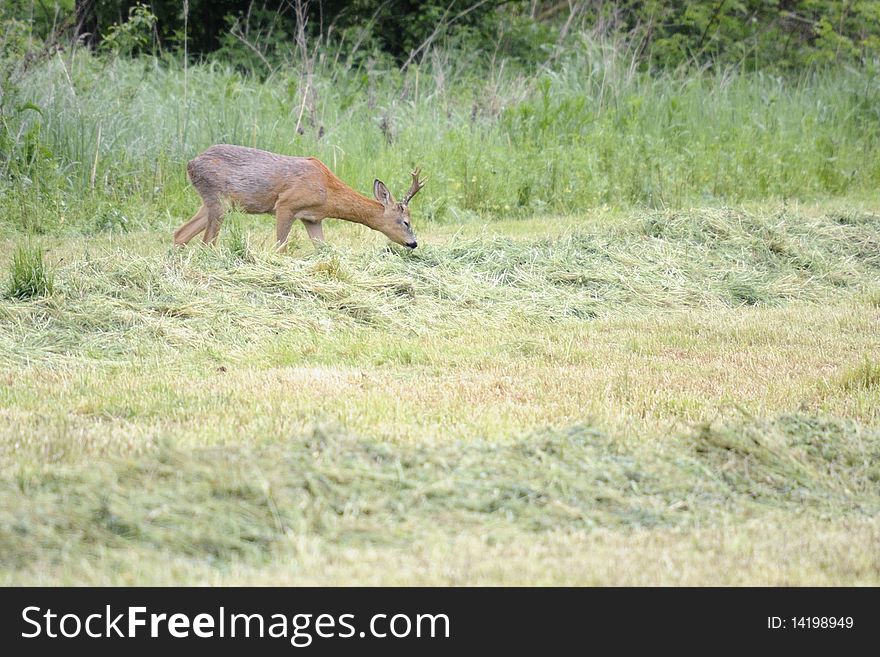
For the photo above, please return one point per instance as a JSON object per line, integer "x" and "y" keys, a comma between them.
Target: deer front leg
{"x": 283, "y": 223}
{"x": 315, "y": 231}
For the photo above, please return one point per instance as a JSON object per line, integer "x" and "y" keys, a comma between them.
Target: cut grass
{"x": 114, "y": 303}
{"x": 599, "y": 406}
{"x": 249, "y": 505}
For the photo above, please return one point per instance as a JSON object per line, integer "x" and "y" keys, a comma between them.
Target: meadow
{"x": 638, "y": 342}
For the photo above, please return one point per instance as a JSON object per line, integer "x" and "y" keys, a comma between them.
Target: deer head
{"x": 395, "y": 223}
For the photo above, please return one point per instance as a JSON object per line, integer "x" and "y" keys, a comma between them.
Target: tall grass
{"x": 112, "y": 135}
{"x": 29, "y": 276}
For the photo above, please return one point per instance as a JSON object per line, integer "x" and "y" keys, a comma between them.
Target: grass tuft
{"x": 865, "y": 376}
{"x": 29, "y": 276}
{"x": 237, "y": 242}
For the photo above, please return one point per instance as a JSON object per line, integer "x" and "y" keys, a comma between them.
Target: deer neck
{"x": 352, "y": 206}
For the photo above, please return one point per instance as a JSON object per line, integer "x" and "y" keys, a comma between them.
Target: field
{"x": 639, "y": 342}
{"x": 620, "y": 398}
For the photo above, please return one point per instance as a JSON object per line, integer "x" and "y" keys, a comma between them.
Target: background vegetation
{"x": 579, "y": 118}
{"x": 637, "y": 343}
{"x": 779, "y": 34}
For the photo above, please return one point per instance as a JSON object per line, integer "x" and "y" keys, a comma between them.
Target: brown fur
{"x": 291, "y": 188}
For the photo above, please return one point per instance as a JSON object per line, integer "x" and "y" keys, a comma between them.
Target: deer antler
{"x": 414, "y": 189}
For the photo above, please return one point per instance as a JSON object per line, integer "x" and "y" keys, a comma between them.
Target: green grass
{"x": 100, "y": 144}
{"x": 634, "y": 398}
{"x": 28, "y": 275}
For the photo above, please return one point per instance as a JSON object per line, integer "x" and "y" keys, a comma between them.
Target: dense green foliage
{"x": 568, "y": 108}
{"x": 571, "y": 107}
{"x": 781, "y": 34}
{"x": 100, "y": 144}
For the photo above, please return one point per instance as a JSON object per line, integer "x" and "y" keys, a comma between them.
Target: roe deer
{"x": 259, "y": 182}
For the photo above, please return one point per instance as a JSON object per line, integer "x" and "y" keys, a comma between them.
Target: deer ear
{"x": 380, "y": 191}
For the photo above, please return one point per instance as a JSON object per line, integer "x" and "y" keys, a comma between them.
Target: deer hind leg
{"x": 315, "y": 231}
{"x": 192, "y": 227}
{"x": 215, "y": 218}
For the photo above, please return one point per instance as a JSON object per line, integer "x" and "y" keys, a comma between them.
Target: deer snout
{"x": 412, "y": 245}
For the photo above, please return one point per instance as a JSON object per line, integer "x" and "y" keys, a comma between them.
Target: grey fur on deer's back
{"x": 250, "y": 178}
